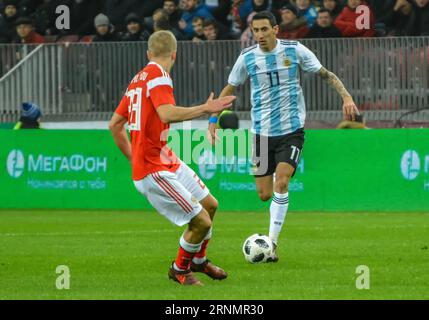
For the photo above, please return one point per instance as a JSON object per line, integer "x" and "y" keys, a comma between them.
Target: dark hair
{"x": 24, "y": 20}
{"x": 132, "y": 17}
{"x": 291, "y": 8}
{"x": 176, "y": 2}
{"x": 322, "y": 10}
{"x": 210, "y": 22}
{"x": 163, "y": 23}
{"x": 196, "y": 18}
{"x": 265, "y": 15}
{"x": 10, "y": 3}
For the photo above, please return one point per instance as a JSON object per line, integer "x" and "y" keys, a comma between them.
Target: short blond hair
{"x": 162, "y": 43}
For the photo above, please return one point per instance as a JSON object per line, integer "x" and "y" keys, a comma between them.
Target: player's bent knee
{"x": 264, "y": 196}
{"x": 202, "y": 222}
{"x": 282, "y": 184}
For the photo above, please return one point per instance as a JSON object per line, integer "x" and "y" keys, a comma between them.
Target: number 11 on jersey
{"x": 274, "y": 78}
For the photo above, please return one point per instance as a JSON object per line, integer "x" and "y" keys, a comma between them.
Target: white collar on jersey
{"x": 267, "y": 52}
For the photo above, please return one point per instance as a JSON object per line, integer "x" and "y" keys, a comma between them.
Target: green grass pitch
{"x": 125, "y": 255}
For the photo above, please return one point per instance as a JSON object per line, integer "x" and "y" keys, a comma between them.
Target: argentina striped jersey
{"x": 278, "y": 105}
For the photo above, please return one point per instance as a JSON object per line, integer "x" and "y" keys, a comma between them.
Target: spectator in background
{"x": 277, "y": 5}
{"x": 261, "y": 5}
{"x": 395, "y": 17}
{"x": 334, "y": 7}
{"x": 170, "y": 7}
{"x": 173, "y": 11}
{"x": 30, "y": 116}
{"x": 100, "y": 86}
{"x": 323, "y": 28}
{"x": 182, "y": 4}
{"x": 161, "y": 21}
{"x": 306, "y": 9}
{"x": 135, "y": 30}
{"x": 211, "y": 30}
{"x": 346, "y": 21}
{"x": 220, "y": 10}
{"x": 247, "y": 38}
{"x": 418, "y": 24}
{"x": 192, "y": 9}
{"x": 104, "y": 30}
{"x": 26, "y": 33}
{"x": 45, "y": 17}
{"x": 7, "y": 21}
{"x": 197, "y": 26}
{"x": 290, "y": 26}
{"x": 235, "y": 22}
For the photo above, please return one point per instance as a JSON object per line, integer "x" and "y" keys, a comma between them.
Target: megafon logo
{"x": 15, "y": 163}
{"x": 410, "y": 164}
{"x": 209, "y": 164}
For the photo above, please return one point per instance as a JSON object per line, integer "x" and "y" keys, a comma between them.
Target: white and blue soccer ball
{"x": 257, "y": 248}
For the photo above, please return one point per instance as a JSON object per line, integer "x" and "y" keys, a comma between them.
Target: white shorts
{"x": 175, "y": 195}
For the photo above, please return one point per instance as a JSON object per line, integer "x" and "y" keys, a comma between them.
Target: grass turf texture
{"x": 126, "y": 255}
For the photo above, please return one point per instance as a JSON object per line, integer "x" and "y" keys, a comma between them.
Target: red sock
{"x": 184, "y": 258}
{"x": 202, "y": 253}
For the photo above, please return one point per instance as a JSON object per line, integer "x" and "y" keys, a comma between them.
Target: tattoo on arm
{"x": 334, "y": 82}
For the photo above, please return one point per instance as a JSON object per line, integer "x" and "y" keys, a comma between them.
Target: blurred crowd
{"x": 38, "y": 21}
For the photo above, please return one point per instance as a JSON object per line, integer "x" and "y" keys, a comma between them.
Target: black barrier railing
{"x": 81, "y": 81}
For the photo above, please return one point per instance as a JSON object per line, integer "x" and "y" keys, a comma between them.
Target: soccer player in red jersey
{"x": 172, "y": 188}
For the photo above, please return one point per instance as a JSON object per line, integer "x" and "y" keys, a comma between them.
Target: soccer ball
{"x": 257, "y": 248}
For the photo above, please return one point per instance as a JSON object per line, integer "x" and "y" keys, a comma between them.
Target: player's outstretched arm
{"x": 349, "y": 107}
{"x": 169, "y": 113}
{"x": 211, "y": 134}
{"x": 116, "y": 127}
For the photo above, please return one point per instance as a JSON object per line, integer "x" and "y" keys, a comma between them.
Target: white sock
{"x": 199, "y": 260}
{"x": 278, "y": 210}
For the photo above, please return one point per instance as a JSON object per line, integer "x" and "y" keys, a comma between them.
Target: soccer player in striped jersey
{"x": 278, "y": 110}
{"x": 171, "y": 187}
